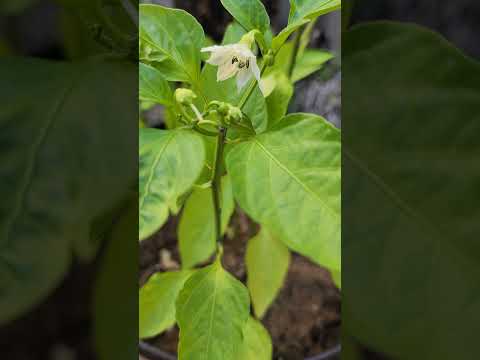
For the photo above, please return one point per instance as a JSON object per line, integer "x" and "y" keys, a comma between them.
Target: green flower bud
{"x": 248, "y": 39}
{"x": 185, "y": 96}
{"x": 234, "y": 114}
{"x": 223, "y": 108}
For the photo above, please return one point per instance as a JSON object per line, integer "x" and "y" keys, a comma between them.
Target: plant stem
{"x": 216, "y": 183}
{"x": 250, "y": 88}
{"x": 217, "y": 168}
{"x": 296, "y": 47}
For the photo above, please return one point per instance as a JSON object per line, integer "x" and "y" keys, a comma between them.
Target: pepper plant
{"x": 230, "y": 141}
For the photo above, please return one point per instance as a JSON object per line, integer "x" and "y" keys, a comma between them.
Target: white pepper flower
{"x": 234, "y": 59}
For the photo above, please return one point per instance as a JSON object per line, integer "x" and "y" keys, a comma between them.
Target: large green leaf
{"x": 196, "y": 231}
{"x": 288, "y": 179}
{"x": 56, "y": 120}
{"x": 170, "y": 163}
{"x": 251, "y": 14}
{"x": 153, "y": 87}
{"x": 212, "y": 311}
{"x": 175, "y": 34}
{"x": 156, "y": 302}
{"x": 267, "y": 260}
{"x": 411, "y": 193}
{"x": 301, "y": 12}
{"x": 257, "y": 344}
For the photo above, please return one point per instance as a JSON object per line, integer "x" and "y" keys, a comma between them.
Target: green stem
{"x": 296, "y": 47}
{"x": 216, "y": 183}
{"x": 250, "y": 88}
{"x": 217, "y": 170}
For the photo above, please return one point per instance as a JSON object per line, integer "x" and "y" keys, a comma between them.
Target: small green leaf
{"x": 157, "y": 302}
{"x": 257, "y": 343}
{"x": 178, "y": 36}
{"x": 311, "y": 61}
{"x": 301, "y": 13}
{"x": 153, "y": 87}
{"x": 279, "y": 99}
{"x": 288, "y": 179}
{"x": 196, "y": 231}
{"x": 251, "y": 14}
{"x": 308, "y": 62}
{"x": 212, "y": 311}
{"x": 233, "y": 33}
{"x": 267, "y": 261}
{"x": 170, "y": 163}
{"x": 311, "y": 9}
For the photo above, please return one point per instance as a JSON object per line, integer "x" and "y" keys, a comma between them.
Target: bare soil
{"x": 303, "y": 321}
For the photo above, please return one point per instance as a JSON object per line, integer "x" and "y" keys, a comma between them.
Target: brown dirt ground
{"x": 303, "y": 321}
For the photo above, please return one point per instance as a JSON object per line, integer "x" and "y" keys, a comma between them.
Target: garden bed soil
{"x": 303, "y": 321}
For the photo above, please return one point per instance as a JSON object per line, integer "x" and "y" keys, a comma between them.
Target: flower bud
{"x": 234, "y": 114}
{"x": 248, "y": 39}
{"x": 185, "y": 96}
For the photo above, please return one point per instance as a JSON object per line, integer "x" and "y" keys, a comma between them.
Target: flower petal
{"x": 226, "y": 71}
{"x": 242, "y": 78}
{"x": 211, "y": 48}
{"x": 255, "y": 69}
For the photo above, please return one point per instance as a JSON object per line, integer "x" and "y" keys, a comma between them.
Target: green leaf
{"x": 305, "y": 37}
{"x": 251, "y": 14}
{"x": 196, "y": 231}
{"x": 233, "y": 33}
{"x": 301, "y": 13}
{"x": 257, "y": 344}
{"x": 170, "y": 163}
{"x": 411, "y": 193}
{"x": 212, "y": 311}
{"x": 156, "y": 302}
{"x": 288, "y": 179}
{"x": 309, "y": 63}
{"x": 279, "y": 99}
{"x": 54, "y": 118}
{"x": 311, "y": 9}
{"x": 267, "y": 260}
{"x": 178, "y": 36}
{"x": 153, "y": 87}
